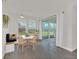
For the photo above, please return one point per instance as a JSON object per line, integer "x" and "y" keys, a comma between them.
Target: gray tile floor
{"x": 46, "y": 49}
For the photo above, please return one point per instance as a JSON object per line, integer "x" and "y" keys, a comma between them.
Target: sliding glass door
{"x": 45, "y": 30}
{"x": 52, "y": 30}
{"x": 49, "y": 29}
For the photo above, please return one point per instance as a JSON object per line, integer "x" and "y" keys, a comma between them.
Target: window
{"x": 32, "y": 24}
{"x": 27, "y": 27}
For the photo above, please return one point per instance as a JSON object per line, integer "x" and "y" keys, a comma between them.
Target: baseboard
{"x": 70, "y": 50}
{"x": 74, "y": 49}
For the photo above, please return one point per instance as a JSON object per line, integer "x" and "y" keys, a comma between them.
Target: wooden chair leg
{"x": 34, "y": 47}
{"x": 22, "y": 48}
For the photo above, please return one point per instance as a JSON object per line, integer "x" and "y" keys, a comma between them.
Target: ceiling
{"x": 35, "y": 8}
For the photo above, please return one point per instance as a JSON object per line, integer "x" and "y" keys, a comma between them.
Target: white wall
{"x": 13, "y": 26}
{"x": 66, "y": 29}
{"x": 74, "y": 27}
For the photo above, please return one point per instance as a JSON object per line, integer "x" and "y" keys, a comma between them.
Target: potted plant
{"x": 5, "y": 20}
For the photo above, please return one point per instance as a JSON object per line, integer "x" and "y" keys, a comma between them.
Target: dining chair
{"x": 32, "y": 42}
{"x": 22, "y": 43}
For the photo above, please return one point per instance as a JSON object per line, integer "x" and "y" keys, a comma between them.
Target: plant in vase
{"x": 5, "y": 20}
